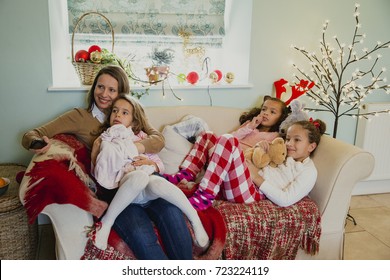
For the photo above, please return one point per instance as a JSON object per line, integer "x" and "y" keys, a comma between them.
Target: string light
{"x": 331, "y": 92}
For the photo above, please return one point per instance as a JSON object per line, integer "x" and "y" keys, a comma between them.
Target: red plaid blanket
{"x": 255, "y": 231}
{"x": 263, "y": 230}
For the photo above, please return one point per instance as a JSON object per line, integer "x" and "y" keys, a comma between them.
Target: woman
{"x": 134, "y": 225}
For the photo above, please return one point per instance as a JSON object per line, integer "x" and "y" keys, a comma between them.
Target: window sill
{"x": 158, "y": 87}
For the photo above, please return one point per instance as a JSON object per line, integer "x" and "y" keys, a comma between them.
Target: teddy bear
{"x": 276, "y": 154}
{"x": 297, "y": 114}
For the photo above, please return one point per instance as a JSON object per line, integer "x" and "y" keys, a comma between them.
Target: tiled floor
{"x": 368, "y": 240}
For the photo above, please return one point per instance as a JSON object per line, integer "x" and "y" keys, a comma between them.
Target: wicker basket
{"x": 18, "y": 238}
{"x": 87, "y": 71}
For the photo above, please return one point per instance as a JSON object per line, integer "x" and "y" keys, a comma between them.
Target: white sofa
{"x": 340, "y": 166}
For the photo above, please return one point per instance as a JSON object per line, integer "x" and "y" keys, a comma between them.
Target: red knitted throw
{"x": 54, "y": 181}
{"x": 263, "y": 230}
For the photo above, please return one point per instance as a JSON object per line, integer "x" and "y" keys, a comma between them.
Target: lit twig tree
{"x": 335, "y": 93}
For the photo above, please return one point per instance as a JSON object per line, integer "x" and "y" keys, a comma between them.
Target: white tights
{"x": 151, "y": 187}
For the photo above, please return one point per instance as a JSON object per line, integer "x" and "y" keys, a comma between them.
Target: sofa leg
{"x": 351, "y": 218}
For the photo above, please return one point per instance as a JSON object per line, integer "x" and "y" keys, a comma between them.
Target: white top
{"x": 116, "y": 150}
{"x": 289, "y": 182}
{"x": 96, "y": 113}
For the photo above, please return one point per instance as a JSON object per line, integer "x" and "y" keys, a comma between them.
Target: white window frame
{"x": 234, "y": 55}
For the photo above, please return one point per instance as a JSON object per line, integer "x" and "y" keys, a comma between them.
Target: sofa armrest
{"x": 69, "y": 223}
{"x": 340, "y": 166}
{"x": 55, "y": 184}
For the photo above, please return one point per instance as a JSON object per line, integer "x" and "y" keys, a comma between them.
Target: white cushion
{"x": 175, "y": 150}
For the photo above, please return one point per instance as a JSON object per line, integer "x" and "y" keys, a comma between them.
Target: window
{"x": 147, "y": 22}
{"x": 226, "y": 47}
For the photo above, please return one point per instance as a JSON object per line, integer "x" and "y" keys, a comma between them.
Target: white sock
{"x": 190, "y": 127}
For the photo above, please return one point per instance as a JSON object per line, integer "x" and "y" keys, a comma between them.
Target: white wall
{"x": 25, "y": 66}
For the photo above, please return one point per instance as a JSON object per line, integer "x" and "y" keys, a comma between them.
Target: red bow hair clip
{"x": 316, "y": 124}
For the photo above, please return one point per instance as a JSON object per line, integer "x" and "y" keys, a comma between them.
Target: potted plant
{"x": 160, "y": 64}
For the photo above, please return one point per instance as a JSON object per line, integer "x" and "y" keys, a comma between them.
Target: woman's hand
{"x": 44, "y": 149}
{"x": 255, "y": 122}
{"x": 95, "y": 149}
{"x": 254, "y": 171}
{"x": 144, "y": 160}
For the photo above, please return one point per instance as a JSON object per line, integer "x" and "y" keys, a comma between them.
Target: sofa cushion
{"x": 175, "y": 150}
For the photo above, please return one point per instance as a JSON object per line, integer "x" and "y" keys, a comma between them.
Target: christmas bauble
{"x": 181, "y": 78}
{"x": 219, "y": 73}
{"x": 96, "y": 57}
{"x": 81, "y": 56}
{"x": 229, "y": 77}
{"x": 94, "y": 48}
{"x": 213, "y": 77}
{"x": 192, "y": 77}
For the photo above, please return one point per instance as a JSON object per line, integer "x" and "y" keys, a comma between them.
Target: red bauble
{"x": 94, "y": 48}
{"x": 192, "y": 77}
{"x": 81, "y": 56}
{"x": 219, "y": 73}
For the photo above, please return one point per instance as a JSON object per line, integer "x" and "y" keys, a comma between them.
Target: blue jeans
{"x": 134, "y": 226}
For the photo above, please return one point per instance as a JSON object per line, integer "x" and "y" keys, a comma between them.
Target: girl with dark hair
{"x": 290, "y": 182}
{"x": 223, "y": 157}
